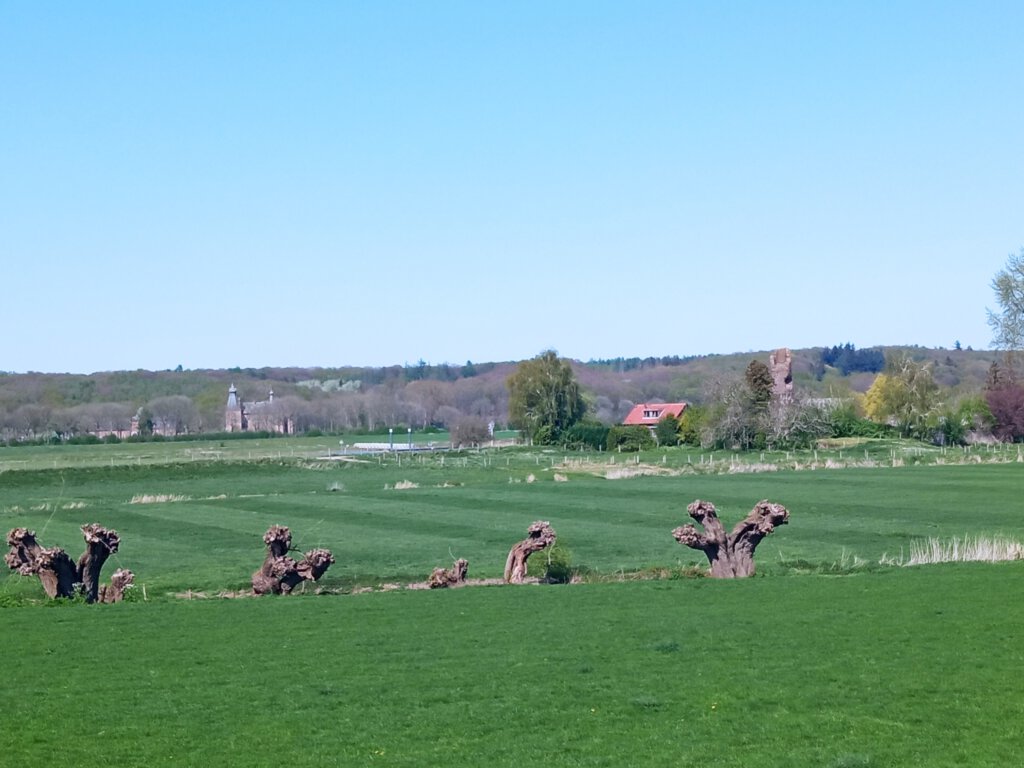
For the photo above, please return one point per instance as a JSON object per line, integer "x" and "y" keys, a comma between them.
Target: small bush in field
{"x": 631, "y": 438}
{"x": 469, "y": 431}
{"x": 553, "y": 565}
{"x": 587, "y": 435}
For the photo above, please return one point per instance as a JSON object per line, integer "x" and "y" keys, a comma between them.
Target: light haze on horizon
{"x": 335, "y": 184}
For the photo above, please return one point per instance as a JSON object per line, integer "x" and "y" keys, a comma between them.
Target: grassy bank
{"x": 197, "y": 525}
{"x": 827, "y": 658}
{"x": 902, "y": 667}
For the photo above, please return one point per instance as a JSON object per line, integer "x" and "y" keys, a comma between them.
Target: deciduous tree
{"x": 1006, "y": 404}
{"x": 173, "y": 415}
{"x": 666, "y": 431}
{"x": 469, "y": 431}
{"x": 904, "y": 395}
{"x": 760, "y": 383}
{"x": 1008, "y": 323}
{"x": 544, "y": 397}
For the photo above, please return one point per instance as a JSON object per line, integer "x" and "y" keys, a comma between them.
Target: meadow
{"x": 826, "y": 658}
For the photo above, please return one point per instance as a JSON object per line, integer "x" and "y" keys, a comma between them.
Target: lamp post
{"x": 391, "y": 438}
{"x": 410, "y": 438}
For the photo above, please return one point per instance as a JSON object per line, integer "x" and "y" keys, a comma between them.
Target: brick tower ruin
{"x": 780, "y": 363}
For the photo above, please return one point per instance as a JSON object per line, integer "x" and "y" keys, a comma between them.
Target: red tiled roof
{"x": 650, "y": 414}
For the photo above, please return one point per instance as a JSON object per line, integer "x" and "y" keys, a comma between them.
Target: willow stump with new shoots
{"x": 57, "y": 572}
{"x": 731, "y": 555}
{"x": 119, "y": 582}
{"x": 441, "y": 578}
{"x": 280, "y": 574}
{"x": 540, "y": 536}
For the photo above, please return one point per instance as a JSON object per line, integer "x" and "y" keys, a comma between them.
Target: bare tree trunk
{"x": 445, "y": 577}
{"x": 279, "y": 573}
{"x": 119, "y": 582}
{"x": 540, "y": 536}
{"x": 57, "y": 572}
{"x": 731, "y": 556}
{"x": 100, "y": 543}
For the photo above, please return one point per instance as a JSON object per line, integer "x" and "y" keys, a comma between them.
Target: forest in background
{"x": 423, "y": 395}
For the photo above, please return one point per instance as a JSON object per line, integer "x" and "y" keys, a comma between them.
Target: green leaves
{"x": 905, "y": 395}
{"x": 1008, "y": 324}
{"x": 544, "y": 397}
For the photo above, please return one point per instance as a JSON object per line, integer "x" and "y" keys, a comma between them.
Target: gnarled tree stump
{"x": 100, "y": 543}
{"x": 449, "y": 577}
{"x": 58, "y": 573}
{"x": 119, "y": 582}
{"x": 540, "y": 536}
{"x": 280, "y": 574}
{"x": 731, "y": 556}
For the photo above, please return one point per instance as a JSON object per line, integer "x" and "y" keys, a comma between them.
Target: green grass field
{"x": 875, "y": 666}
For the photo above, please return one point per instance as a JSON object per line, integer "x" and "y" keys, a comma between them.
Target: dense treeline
{"x": 848, "y": 359}
{"x": 422, "y": 395}
{"x": 624, "y": 364}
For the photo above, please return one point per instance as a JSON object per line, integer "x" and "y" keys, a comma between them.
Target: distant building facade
{"x": 119, "y": 432}
{"x": 258, "y": 416}
{"x": 155, "y": 426}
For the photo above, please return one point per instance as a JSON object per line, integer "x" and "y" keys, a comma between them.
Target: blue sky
{"x": 374, "y": 183}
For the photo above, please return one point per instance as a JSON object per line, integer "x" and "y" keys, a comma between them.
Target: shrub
{"x": 552, "y": 565}
{"x": 843, "y": 421}
{"x": 586, "y": 434}
{"x": 8, "y": 600}
{"x": 469, "y": 430}
{"x": 667, "y": 430}
{"x": 1007, "y": 408}
{"x": 85, "y": 439}
{"x": 690, "y": 424}
{"x": 630, "y": 438}
{"x": 544, "y": 435}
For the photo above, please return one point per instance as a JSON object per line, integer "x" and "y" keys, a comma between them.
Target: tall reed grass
{"x": 956, "y": 550}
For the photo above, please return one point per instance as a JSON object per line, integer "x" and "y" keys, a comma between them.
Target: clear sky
{"x": 215, "y": 184}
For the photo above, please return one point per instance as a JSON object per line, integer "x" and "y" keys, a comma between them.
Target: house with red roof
{"x": 649, "y": 414}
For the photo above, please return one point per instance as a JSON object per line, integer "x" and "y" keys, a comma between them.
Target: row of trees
{"x": 848, "y": 359}
{"x": 173, "y": 415}
{"x": 1004, "y": 391}
{"x": 414, "y": 405}
{"x": 545, "y": 398}
{"x": 744, "y": 413}
{"x": 548, "y": 405}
